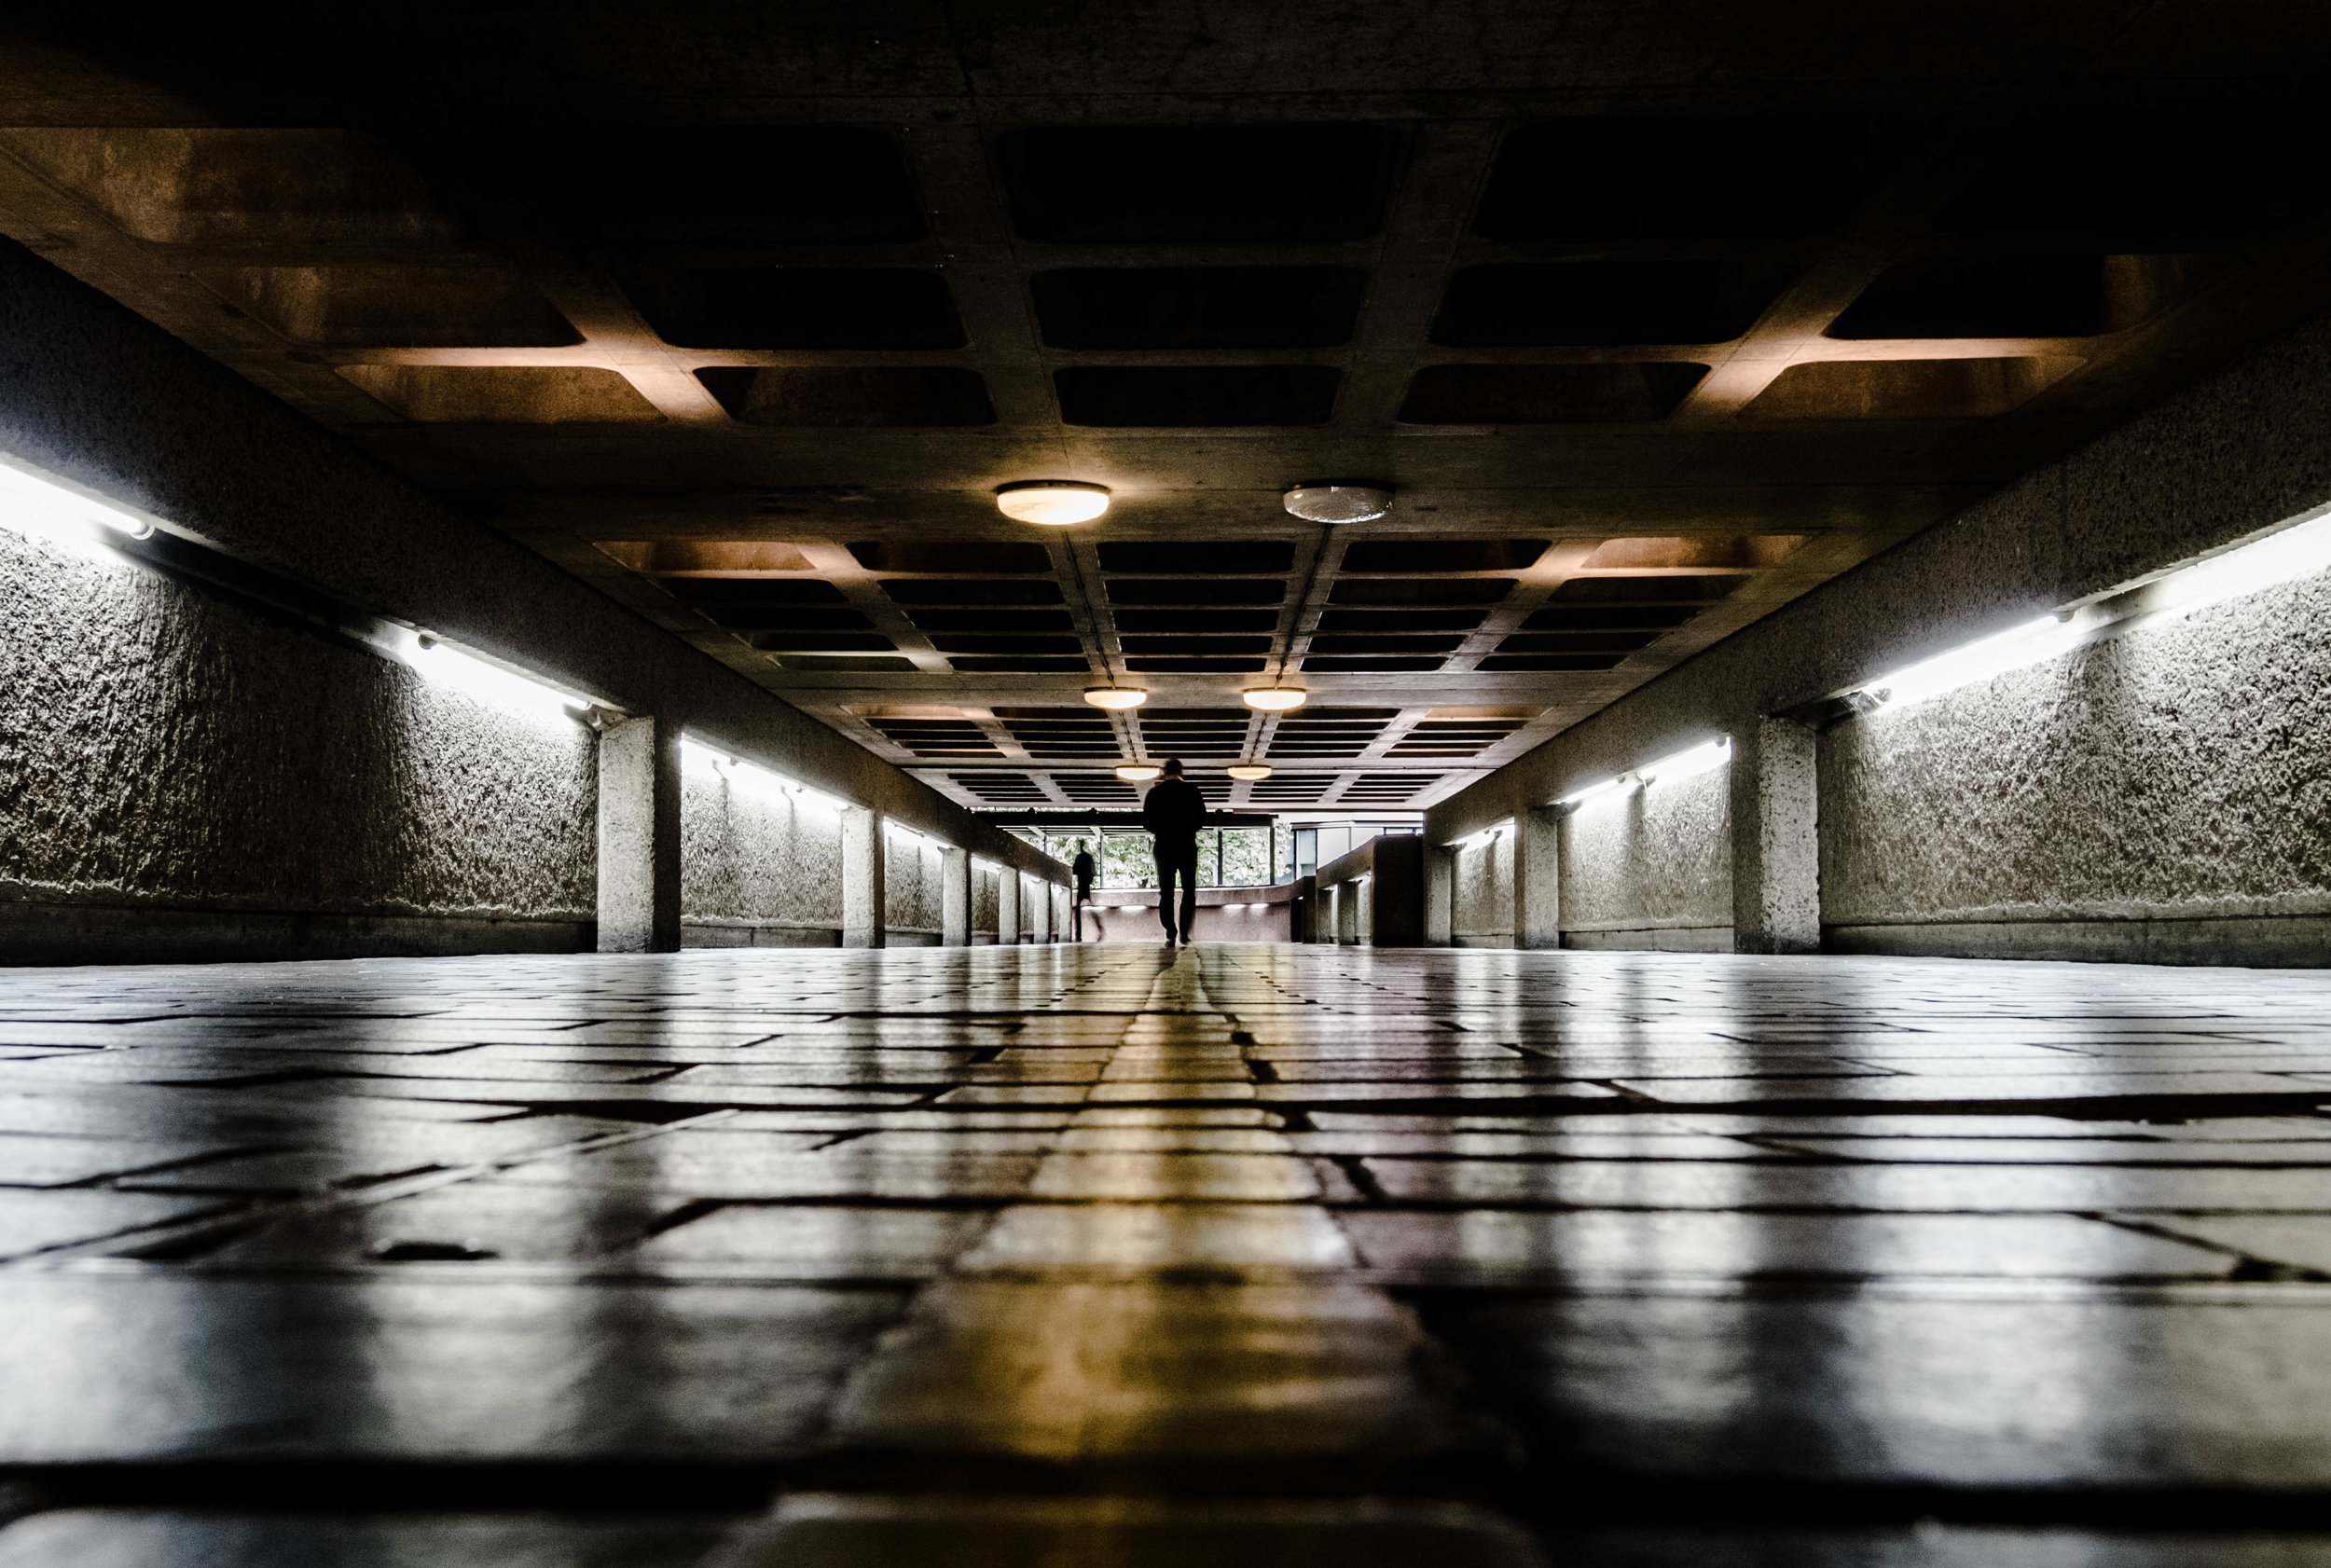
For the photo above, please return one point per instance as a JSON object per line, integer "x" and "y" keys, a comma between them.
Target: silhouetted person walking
{"x": 1081, "y": 868}
{"x": 1173, "y": 811}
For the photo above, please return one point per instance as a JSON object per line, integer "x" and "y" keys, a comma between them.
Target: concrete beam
{"x": 1537, "y": 878}
{"x": 1776, "y": 842}
{"x": 864, "y": 880}
{"x": 954, "y": 897}
{"x": 1008, "y": 907}
{"x": 639, "y": 837}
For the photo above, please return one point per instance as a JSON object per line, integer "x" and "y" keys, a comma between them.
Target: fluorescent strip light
{"x": 738, "y": 771}
{"x": 1595, "y": 792}
{"x": 44, "y": 506}
{"x": 1704, "y": 758}
{"x": 485, "y": 681}
{"x": 2303, "y": 550}
{"x": 1981, "y": 660}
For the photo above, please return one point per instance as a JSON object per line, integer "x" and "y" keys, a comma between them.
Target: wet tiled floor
{"x": 1257, "y": 1255}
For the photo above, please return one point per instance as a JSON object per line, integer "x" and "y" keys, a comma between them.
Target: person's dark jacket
{"x": 1173, "y": 811}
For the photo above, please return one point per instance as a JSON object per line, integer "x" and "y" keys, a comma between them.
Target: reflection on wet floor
{"x": 1069, "y": 1254}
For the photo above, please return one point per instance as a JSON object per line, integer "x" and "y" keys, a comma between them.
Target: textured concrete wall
{"x": 91, "y": 391}
{"x": 912, "y": 875}
{"x": 2180, "y": 773}
{"x": 985, "y": 879}
{"x": 2220, "y": 816}
{"x": 759, "y": 867}
{"x": 163, "y": 753}
{"x": 1481, "y": 891}
{"x": 1650, "y": 867}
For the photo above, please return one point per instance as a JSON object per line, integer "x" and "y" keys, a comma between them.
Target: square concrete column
{"x": 1008, "y": 906}
{"x": 954, "y": 897}
{"x": 1040, "y": 910}
{"x": 1364, "y": 911}
{"x": 1440, "y": 895}
{"x": 639, "y": 837}
{"x": 866, "y": 891}
{"x": 1062, "y": 924}
{"x": 1536, "y": 877}
{"x": 1776, "y": 839}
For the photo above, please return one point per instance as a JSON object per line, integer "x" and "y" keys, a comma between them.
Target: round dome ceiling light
{"x": 1275, "y": 700}
{"x": 1248, "y": 771}
{"x": 1053, "y": 502}
{"x": 1339, "y": 503}
{"x": 1114, "y": 698}
{"x": 1138, "y": 773}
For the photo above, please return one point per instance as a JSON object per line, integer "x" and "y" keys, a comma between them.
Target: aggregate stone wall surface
{"x": 986, "y": 881}
{"x": 912, "y": 872}
{"x": 164, "y": 749}
{"x": 2183, "y": 771}
{"x": 756, "y": 857}
{"x": 1482, "y": 889}
{"x": 1653, "y": 859}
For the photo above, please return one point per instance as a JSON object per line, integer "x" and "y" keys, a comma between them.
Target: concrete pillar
{"x": 1061, "y": 924}
{"x": 1041, "y": 908}
{"x": 1776, "y": 842}
{"x": 865, "y": 894}
{"x": 1440, "y": 872}
{"x": 1364, "y": 911}
{"x": 1536, "y": 877}
{"x": 1008, "y": 906}
{"x": 954, "y": 897}
{"x": 639, "y": 837}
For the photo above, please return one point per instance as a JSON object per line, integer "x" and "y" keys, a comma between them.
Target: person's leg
{"x": 1186, "y": 862}
{"x": 1167, "y": 864}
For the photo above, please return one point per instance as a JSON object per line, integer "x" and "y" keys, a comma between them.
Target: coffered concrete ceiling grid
{"x": 1639, "y": 370}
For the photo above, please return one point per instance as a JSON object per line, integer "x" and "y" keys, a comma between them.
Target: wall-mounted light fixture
{"x": 1051, "y": 503}
{"x": 755, "y": 776}
{"x": 47, "y": 506}
{"x": 485, "y": 680}
{"x": 1704, "y": 758}
{"x": 1596, "y": 791}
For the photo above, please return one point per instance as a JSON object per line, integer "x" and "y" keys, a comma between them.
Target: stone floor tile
{"x": 836, "y": 1241}
{"x": 1163, "y": 1236}
{"x": 812, "y": 1531}
{"x": 158, "y": 1538}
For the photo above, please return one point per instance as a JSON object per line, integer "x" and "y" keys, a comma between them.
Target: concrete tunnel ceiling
{"x": 1653, "y": 319}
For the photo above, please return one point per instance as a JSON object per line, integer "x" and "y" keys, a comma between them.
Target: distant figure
{"x": 1082, "y": 869}
{"x": 1173, "y": 811}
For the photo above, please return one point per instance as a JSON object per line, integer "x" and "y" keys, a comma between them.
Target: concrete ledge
{"x": 68, "y": 933}
{"x": 740, "y": 933}
{"x": 2269, "y": 942}
{"x": 1656, "y": 938}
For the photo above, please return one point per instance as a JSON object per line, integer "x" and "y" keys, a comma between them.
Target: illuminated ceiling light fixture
{"x": 1338, "y": 503}
{"x": 1248, "y": 770}
{"x": 1114, "y": 698}
{"x": 1053, "y": 502}
{"x": 1138, "y": 773}
{"x": 1275, "y": 700}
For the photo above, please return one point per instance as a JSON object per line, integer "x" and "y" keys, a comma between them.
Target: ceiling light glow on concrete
{"x": 1138, "y": 773}
{"x": 1338, "y": 503}
{"x": 1053, "y": 502}
{"x": 1690, "y": 763}
{"x": 488, "y": 683}
{"x": 1114, "y": 698}
{"x": 1275, "y": 700}
{"x": 44, "y": 506}
{"x": 1248, "y": 770}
